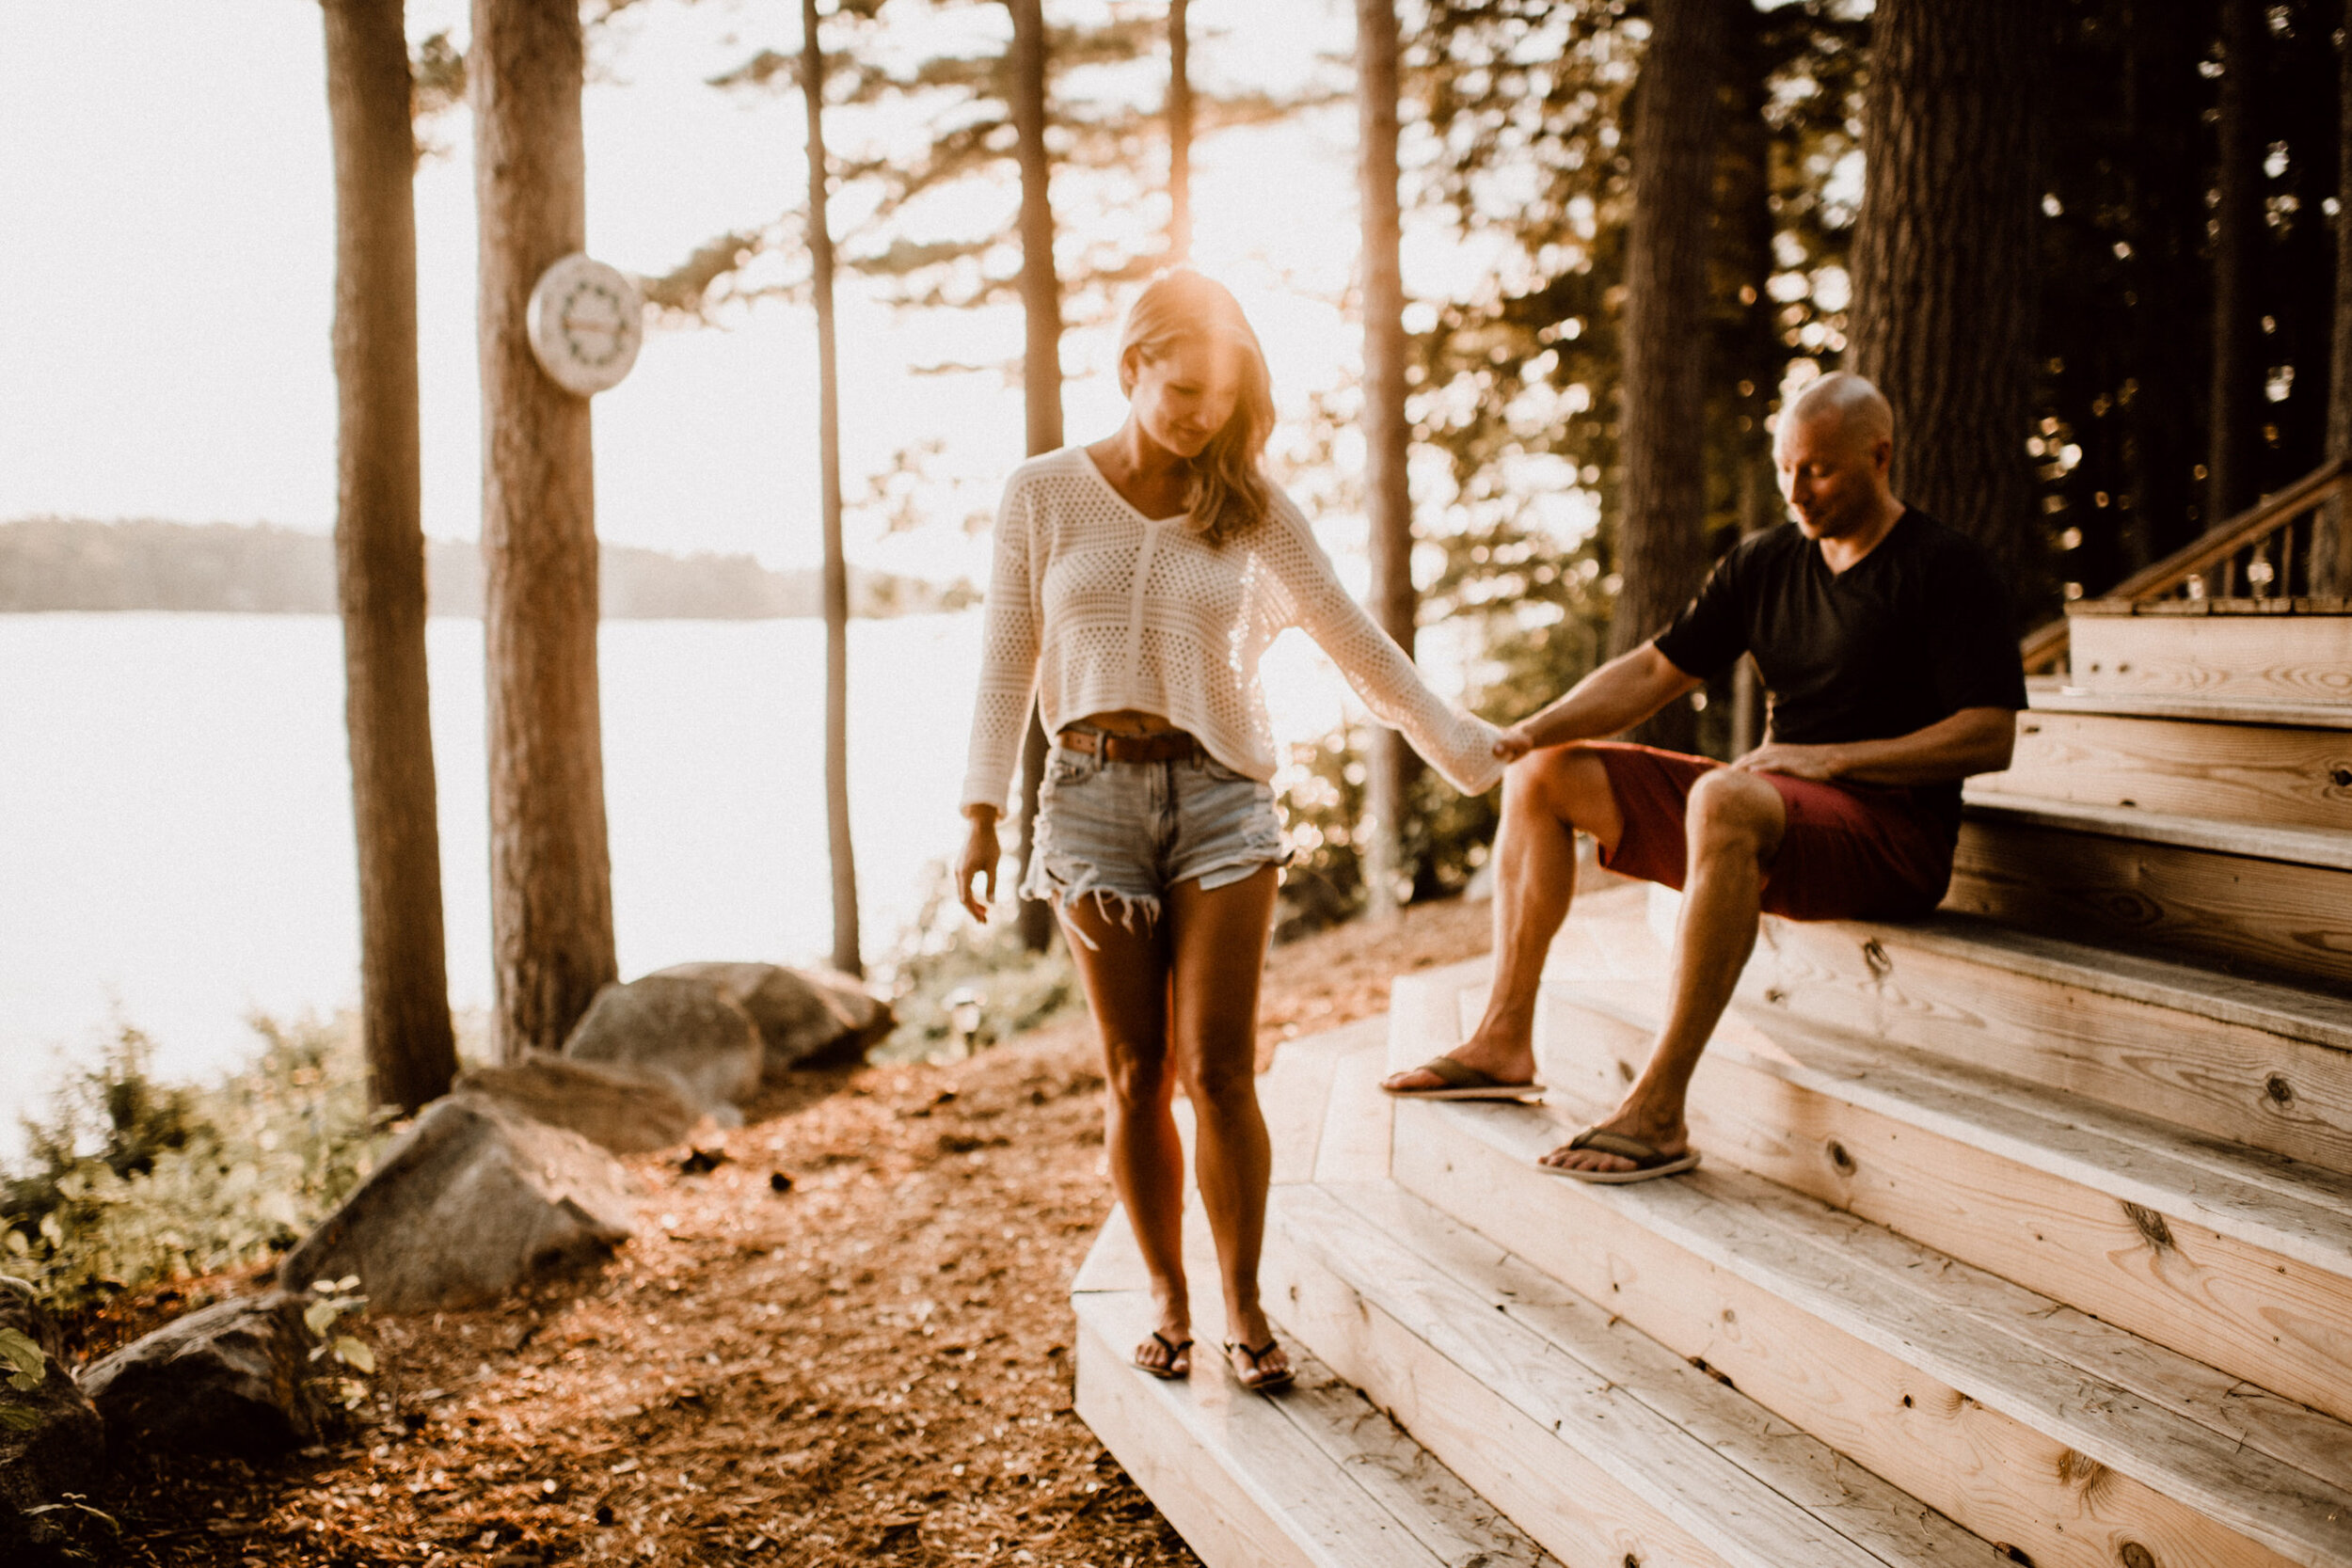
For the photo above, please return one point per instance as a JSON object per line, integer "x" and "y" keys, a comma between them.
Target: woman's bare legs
{"x": 1219, "y": 954}
{"x": 1190, "y": 986}
{"x": 1126, "y": 974}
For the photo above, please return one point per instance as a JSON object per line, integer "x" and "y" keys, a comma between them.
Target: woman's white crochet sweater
{"x": 1094, "y": 608}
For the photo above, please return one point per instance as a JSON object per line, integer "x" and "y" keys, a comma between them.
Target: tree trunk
{"x": 845, "y": 937}
{"x": 1943, "y": 258}
{"x": 1179, "y": 133}
{"x": 550, "y": 877}
{"x": 1388, "y": 497}
{"x": 379, "y": 559}
{"x": 2162, "y": 111}
{"x": 1661, "y": 538}
{"x": 2233, "y": 456}
{"x": 1041, "y": 365}
{"x": 2331, "y": 545}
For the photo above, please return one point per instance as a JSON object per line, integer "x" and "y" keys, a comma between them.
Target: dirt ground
{"x": 845, "y": 1342}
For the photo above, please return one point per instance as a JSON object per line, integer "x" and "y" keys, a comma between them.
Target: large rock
{"x": 473, "y": 1199}
{"x": 227, "y": 1379}
{"x": 687, "y": 1033}
{"x": 806, "y": 1017}
{"x": 625, "y": 1111}
{"x": 61, "y": 1449}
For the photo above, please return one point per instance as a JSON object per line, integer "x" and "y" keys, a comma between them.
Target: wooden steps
{"x": 2242, "y": 1262}
{"x": 2277, "y": 899}
{"x": 2283, "y": 775}
{"x": 2279, "y": 650}
{"x": 2242, "y": 1062}
{"x": 1604, "y": 1445}
{"x": 2023, "y": 1235}
{"x": 1950, "y": 1382}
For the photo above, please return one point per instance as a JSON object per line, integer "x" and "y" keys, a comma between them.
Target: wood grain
{"x": 2280, "y": 657}
{"x": 2246, "y": 772}
{"x": 1743, "y": 1305}
{"x": 2223, "y": 1079}
{"x": 2293, "y": 918}
{"x": 2141, "y": 1262}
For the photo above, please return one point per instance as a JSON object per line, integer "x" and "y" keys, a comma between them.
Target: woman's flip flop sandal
{"x": 1649, "y": 1162}
{"x": 1256, "y": 1378}
{"x": 1175, "y": 1347}
{"x": 1463, "y": 1082}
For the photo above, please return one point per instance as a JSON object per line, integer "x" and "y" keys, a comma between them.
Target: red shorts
{"x": 1852, "y": 851}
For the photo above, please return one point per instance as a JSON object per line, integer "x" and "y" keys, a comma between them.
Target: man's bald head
{"x": 1845, "y": 407}
{"x": 1835, "y": 447}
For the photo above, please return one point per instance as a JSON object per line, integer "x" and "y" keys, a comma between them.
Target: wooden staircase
{"x": 2025, "y": 1233}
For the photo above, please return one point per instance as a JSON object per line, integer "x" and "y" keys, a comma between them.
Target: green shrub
{"x": 126, "y": 1182}
{"x": 943, "y": 954}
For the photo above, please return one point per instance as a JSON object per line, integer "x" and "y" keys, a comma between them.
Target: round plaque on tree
{"x": 587, "y": 322}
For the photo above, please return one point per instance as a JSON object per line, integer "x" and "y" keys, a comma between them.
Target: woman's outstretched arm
{"x": 1459, "y": 745}
{"x": 1008, "y": 686}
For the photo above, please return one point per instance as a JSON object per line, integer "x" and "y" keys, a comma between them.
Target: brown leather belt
{"x": 1158, "y": 746}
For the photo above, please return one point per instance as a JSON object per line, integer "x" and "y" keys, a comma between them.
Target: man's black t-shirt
{"x": 1904, "y": 637}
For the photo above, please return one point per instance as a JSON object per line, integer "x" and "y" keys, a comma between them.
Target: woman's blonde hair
{"x": 1227, "y": 493}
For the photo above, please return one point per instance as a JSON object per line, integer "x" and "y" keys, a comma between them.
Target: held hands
{"x": 978, "y": 859}
{"x": 1513, "y": 744}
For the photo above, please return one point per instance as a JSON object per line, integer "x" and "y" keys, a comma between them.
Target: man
{"x": 1884, "y": 642}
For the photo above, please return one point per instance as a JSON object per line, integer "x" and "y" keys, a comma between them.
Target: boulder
{"x": 806, "y": 1017}
{"x": 56, "y": 1445}
{"x": 625, "y": 1111}
{"x": 227, "y": 1379}
{"x": 687, "y": 1033}
{"x": 471, "y": 1200}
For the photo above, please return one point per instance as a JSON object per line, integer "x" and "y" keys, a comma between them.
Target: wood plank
{"x": 2014, "y": 1445}
{"x": 2201, "y": 1051}
{"x": 1592, "y": 1473}
{"x": 2276, "y": 658}
{"x": 1874, "y": 1515}
{"x": 1294, "y": 1090}
{"x": 1236, "y": 1476}
{"x": 2287, "y": 777}
{"x": 1358, "y": 1119}
{"x": 2203, "y": 710}
{"x": 2295, "y": 1435}
{"x": 2257, "y": 841}
{"x": 1424, "y": 1013}
{"x": 2291, "y": 918}
{"x": 2080, "y": 1217}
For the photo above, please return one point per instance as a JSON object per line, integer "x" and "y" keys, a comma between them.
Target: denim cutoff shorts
{"x": 1123, "y": 832}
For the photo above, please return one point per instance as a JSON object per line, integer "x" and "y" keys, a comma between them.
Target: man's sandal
{"x": 1460, "y": 1080}
{"x": 1175, "y": 1347}
{"x": 1258, "y": 1378}
{"x": 1649, "y": 1162}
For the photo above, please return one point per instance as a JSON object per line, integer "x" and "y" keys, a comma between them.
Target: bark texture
{"x": 2331, "y": 553}
{"x": 1040, "y": 364}
{"x": 845, "y": 957}
{"x": 2163, "y": 104}
{"x": 2233, "y": 456}
{"x": 1943, "y": 259}
{"x": 1179, "y": 132}
{"x": 379, "y": 559}
{"x": 551, "y": 874}
{"x": 1387, "y": 435}
{"x": 1662, "y": 542}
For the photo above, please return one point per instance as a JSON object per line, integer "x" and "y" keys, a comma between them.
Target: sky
{"x": 166, "y": 253}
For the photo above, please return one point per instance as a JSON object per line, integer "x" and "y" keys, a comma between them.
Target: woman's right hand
{"x": 978, "y": 859}
{"x": 1513, "y": 744}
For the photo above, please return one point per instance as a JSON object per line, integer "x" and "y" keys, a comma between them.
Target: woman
{"x": 1137, "y": 582}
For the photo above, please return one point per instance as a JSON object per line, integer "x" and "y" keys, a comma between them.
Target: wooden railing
{"x": 2265, "y": 552}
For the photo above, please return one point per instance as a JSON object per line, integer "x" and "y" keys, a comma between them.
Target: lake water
{"x": 175, "y": 811}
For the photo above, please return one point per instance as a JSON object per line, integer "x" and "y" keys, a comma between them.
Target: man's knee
{"x": 1733, "y": 810}
{"x": 1569, "y": 782}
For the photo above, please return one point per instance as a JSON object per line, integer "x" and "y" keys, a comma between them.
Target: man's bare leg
{"x": 1547, "y": 796}
{"x": 1734, "y": 825}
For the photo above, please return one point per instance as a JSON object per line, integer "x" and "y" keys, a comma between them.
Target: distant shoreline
{"x": 64, "y": 565}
